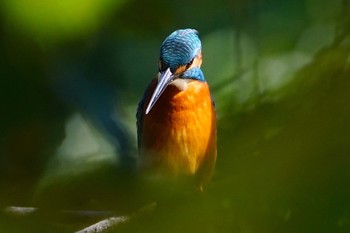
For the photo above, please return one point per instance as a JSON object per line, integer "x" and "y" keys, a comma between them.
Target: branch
{"x": 104, "y": 224}
{"x": 101, "y": 226}
{"x": 108, "y": 223}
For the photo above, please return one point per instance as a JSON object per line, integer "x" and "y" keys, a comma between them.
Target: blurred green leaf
{"x": 58, "y": 20}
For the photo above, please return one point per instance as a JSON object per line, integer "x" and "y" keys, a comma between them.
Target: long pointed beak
{"x": 164, "y": 80}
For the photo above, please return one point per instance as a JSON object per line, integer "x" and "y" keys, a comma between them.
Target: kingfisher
{"x": 176, "y": 118}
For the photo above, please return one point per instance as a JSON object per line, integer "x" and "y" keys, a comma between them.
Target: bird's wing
{"x": 141, "y": 109}
{"x": 139, "y": 119}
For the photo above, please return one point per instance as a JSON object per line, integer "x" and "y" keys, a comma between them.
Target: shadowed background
{"x": 72, "y": 73}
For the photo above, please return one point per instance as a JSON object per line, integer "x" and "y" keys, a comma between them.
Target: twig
{"x": 108, "y": 223}
{"x": 104, "y": 224}
{"x": 20, "y": 211}
{"x": 100, "y": 226}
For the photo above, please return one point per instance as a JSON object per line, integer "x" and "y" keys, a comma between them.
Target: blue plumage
{"x": 176, "y": 120}
{"x": 194, "y": 73}
{"x": 179, "y": 48}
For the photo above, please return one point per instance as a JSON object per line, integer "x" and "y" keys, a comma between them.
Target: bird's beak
{"x": 164, "y": 80}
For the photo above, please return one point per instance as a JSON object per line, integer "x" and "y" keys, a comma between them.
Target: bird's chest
{"x": 178, "y": 129}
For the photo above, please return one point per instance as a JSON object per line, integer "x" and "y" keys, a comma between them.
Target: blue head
{"x": 180, "y": 57}
{"x": 179, "y": 49}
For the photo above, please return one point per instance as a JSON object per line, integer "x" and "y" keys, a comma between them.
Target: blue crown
{"x": 180, "y": 47}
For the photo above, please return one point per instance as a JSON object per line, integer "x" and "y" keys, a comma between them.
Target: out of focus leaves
{"x": 72, "y": 73}
{"x": 51, "y": 21}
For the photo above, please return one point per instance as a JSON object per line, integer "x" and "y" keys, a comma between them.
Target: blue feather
{"x": 180, "y": 48}
{"x": 194, "y": 73}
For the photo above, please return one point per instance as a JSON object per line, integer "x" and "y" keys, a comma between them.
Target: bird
{"x": 176, "y": 117}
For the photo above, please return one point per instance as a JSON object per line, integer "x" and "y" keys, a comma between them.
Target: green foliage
{"x": 52, "y": 21}
{"x": 72, "y": 73}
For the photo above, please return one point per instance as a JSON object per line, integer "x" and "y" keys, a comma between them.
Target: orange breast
{"x": 179, "y": 133}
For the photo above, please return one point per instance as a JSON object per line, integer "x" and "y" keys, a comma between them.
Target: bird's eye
{"x": 162, "y": 66}
{"x": 189, "y": 64}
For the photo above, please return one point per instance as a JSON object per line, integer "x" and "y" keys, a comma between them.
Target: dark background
{"x": 72, "y": 73}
